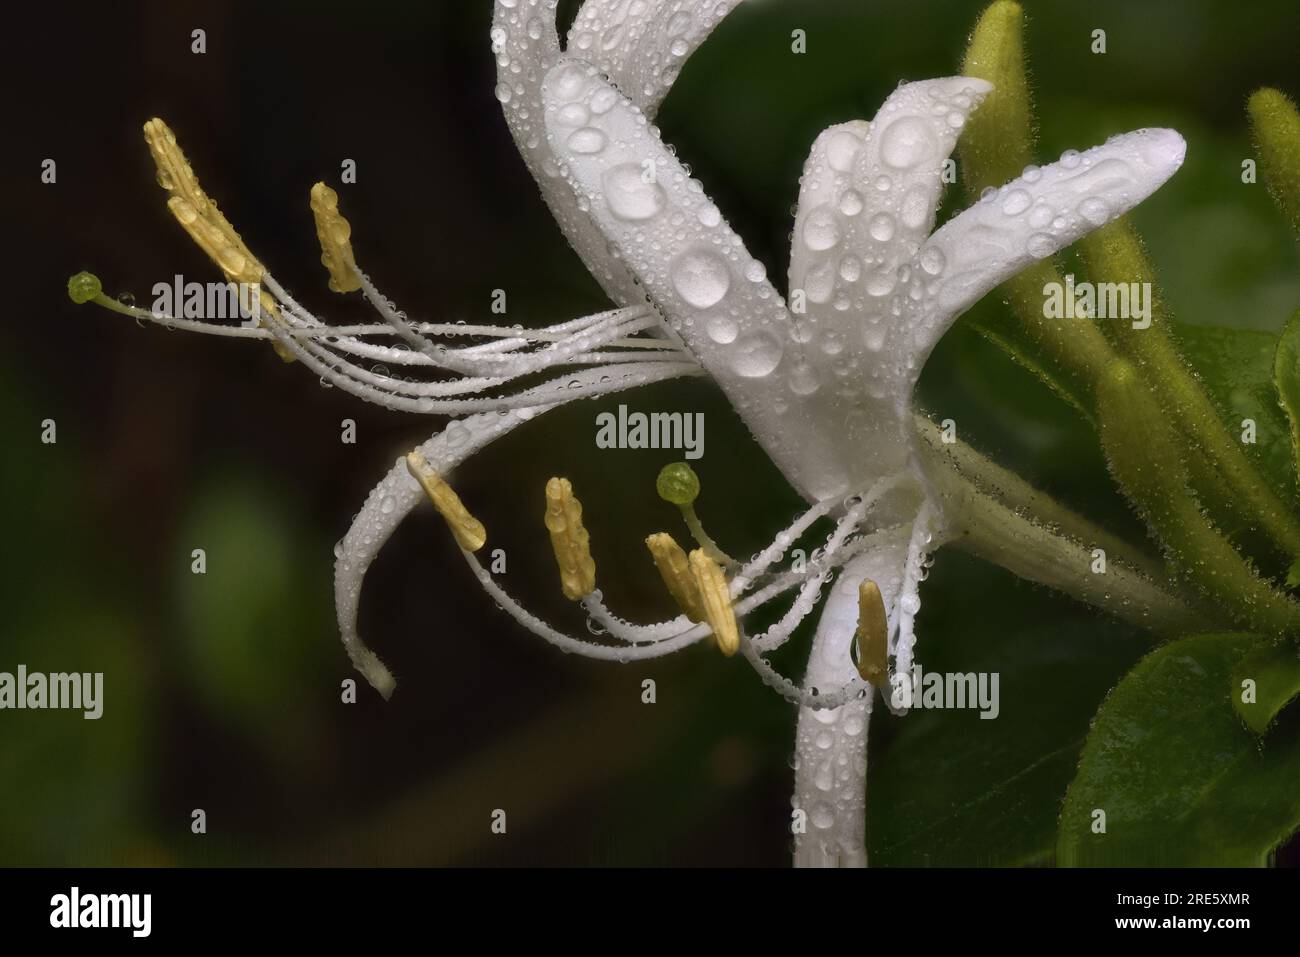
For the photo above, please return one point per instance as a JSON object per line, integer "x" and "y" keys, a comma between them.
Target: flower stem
{"x": 1115, "y": 252}
{"x": 1144, "y": 455}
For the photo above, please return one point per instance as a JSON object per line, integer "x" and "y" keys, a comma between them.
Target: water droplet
{"x": 756, "y": 354}
{"x": 701, "y": 278}
{"x": 932, "y": 260}
{"x": 881, "y": 227}
{"x": 629, "y": 196}
{"x": 803, "y": 380}
{"x": 907, "y": 142}
{"x": 821, "y": 230}
{"x": 1070, "y": 159}
{"x": 573, "y": 114}
{"x": 722, "y": 329}
{"x": 1094, "y": 210}
{"x": 587, "y": 140}
{"x": 841, "y": 149}
{"x": 1040, "y": 245}
{"x": 851, "y": 202}
{"x": 1016, "y": 202}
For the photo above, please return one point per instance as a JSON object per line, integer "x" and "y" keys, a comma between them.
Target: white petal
{"x": 867, "y": 201}
{"x": 831, "y": 793}
{"x": 828, "y": 195}
{"x": 526, "y": 46}
{"x": 641, "y": 45}
{"x": 1033, "y": 217}
{"x": 397, "y": 493}
{"x": 714, "y": 295}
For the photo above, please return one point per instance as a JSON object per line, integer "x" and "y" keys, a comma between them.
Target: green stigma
{"x": 83, "y": 287}
{"x": 678, "y": 484}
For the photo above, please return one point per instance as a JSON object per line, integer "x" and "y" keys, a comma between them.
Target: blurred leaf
{"x": 1236, "y": 366}
{"x": 255, "y": 626}
{"x": 1275, "y": 671}
{"x": 1286, "y": 376}
{"x": 1182, "y": 782}
{"x": 949, "y": 788}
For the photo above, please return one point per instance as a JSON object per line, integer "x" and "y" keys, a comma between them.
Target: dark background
{"x": 222, "y": 691}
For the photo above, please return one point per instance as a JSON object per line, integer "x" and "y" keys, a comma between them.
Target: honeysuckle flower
{"x": 824, "y": 381}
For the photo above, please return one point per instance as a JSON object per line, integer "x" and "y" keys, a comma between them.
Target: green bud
{"x": 83, "y": 287}
{"x": 998, "y": 140}
{"x": 1145, "y": 458}
{"x": 678, "y": 484}
{"x": 1275, "y": 125}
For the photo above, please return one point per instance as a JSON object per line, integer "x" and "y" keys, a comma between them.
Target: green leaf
{"x": 949, "y": 788}
{"x": 1181, "y": 781}
{"x": 1286, "y": 377}
{"x": 1274, "y": 673}
{"x": 1293, "y": 575}
{"x": 1236, "y": 366}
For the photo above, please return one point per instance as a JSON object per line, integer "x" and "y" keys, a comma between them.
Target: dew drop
{"x": 756, "y": 354}
{"x": 629, "y": 196}
{"x": 701, "y": 278}
{"x": 587, "y": 140}
{"x": 1016, "y": 202}
{"x": 821, "y": 231}
{"x": 907, "y": 142}
{"x": 881, "y": 227}
{"x": 722, "y": 329}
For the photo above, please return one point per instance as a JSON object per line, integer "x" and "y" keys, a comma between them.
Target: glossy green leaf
{"x": 1273, "y": 673}
{"x": 948, "y": 788}
{"x": 1180, "y": 779}
{"x": 1237, "y": 366}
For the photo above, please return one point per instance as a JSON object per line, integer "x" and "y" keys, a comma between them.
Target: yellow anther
{"x": 200, "y": 217}
{"x": 675, "y": 570}
{"x": 468, "y": 530}
{"x": 177, "y": 177}
{"x": 872, "y": 634}
{"x": 335, "y": 235}
{"x": 715, "y": 600}
{"x": 570, "y": 540}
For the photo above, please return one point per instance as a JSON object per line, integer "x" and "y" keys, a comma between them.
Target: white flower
{"x": 825, "y": 384}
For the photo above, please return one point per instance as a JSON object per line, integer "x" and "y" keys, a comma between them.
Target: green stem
{"x": 1145, "y": 457}
{"x": 1022, "y": 498}
{"x": 996, "y": 533}
{"x": 1115, "y": 254}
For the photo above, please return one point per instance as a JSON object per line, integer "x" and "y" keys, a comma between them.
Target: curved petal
{"x": 641, "y": 45}
{"x": 398, "y": 493}
{"x": 527, "y": 45}
{"x": 867, "y": 201}
{"x": 831, "y": 744}
{"x": 1031, "y": 218}
{"x": 715, "y": 297}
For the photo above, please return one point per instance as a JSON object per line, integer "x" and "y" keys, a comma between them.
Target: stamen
{"x": 468, "y": 530}
{"x": 678, "y": 485}
{"x": 200, "y": 217}
{"x": 570, "y": 540}
{"x": 715, "y": 599}
{"x": 675, "y": 570}
{"x": 335, "y": 235}
{"x": 872, "y": 634}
